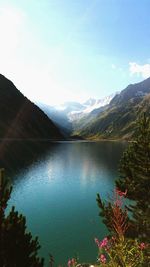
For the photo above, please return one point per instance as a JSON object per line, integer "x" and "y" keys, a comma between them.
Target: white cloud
{"x": 138, "y": 69}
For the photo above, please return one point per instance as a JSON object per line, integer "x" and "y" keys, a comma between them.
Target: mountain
{"x": 91, "y": 105}
{"x": 117, "y": 120}
{"x": 59, "y": 117}
{"x": 67, "y": 115}
{"x": 20, "y": 118}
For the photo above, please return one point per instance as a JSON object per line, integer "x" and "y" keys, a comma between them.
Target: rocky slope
{"x": 117, "y": 120}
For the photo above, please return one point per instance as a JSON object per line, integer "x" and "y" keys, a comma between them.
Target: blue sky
{"x": 60, "y": 50}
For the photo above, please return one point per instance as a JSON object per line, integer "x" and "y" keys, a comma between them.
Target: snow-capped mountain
{"x": 98, "y": 103}
{"x": 88, "y": 106}
{"x": 66, "y": 114}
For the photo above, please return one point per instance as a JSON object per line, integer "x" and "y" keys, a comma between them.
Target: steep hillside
{"x": 67, "y": 115}
{"x": 20, "y": 118}
{"x": 59, "y": 117}
{"x": 118, "y": 118}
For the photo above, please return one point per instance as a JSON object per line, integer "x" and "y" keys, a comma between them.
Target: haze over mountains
{"x": 66, "y": 115}
{"x": 111, "y": 118}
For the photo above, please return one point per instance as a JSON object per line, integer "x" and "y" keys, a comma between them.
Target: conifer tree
{"x": 17, "y": 247}
{"x": 135, "y": 180}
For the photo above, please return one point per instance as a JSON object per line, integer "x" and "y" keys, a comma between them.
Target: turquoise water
{"x": 57, "y": 194}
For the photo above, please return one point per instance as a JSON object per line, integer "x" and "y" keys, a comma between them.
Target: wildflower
{"x": 120, "y": 193}
{"x": 142, "y": 246}
{"x": 103, "y": 243}
{"x": 73, "y": 261}
{"x": 102, "y": 258}
{"x": 96, "y": 240}
{"x": 69, "y": 263}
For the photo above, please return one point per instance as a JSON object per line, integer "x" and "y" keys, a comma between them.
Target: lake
{"x": 57, "y": 194}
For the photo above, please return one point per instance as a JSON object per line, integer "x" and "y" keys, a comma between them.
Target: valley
{"x": 111, "y": 118}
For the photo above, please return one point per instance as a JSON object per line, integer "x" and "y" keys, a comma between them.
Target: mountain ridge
{"x": 117, "y": 120}
{"x": 66, "y": 115}
{"x": 22, "y": 119}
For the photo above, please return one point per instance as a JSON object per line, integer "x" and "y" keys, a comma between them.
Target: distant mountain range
{"x": 20, "y": 118}
{"x": 113, "y": 117}
{"x": 117, "y": 120}
{"x": 67, "y": 115}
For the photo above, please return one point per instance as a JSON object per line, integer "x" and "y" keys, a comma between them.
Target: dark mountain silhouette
{"x": 20, "y": 118}
{"x": 25, "y": 131}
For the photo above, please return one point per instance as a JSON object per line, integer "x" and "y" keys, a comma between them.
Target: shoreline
{"x": 64, "y": 140}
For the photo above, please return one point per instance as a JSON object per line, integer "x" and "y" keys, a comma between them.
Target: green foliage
{"x": 135, "y": 178}
{"x": 135, "y": 163}
{"x": 17, "y": 247}
{"x": 134, "y": 184}
{"x": 121, "y": 253}
{"x": 118, "y": 250}
{"x": 5, "y": 192}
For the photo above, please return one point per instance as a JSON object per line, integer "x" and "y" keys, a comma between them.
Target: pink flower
{"x": 69, "y": 263}
{"x": 120, "y": 193}
{"x": 102, "y": 258}
{"x": 142, "y": 246}
{"x": 73, "y": 261}
{"x": 103, "y": 243}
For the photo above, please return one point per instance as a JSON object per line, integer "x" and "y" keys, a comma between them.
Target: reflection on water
{"x": 57, "y": 194}
{"x": 16, "y": 155}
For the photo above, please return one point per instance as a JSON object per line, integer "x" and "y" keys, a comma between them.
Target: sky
{"x": 70, "y": 50}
